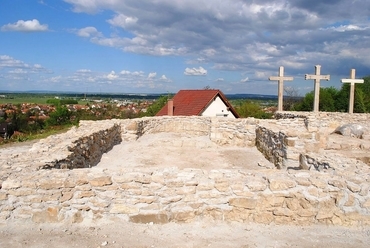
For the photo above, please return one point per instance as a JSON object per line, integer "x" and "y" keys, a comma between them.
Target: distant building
{"x": 199, "y": 103}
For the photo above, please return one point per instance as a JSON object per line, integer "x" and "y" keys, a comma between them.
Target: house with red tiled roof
{"x": 200, "y": 103}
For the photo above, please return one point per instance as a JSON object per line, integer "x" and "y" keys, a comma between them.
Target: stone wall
{"x": 340, "y": 196}
{"x": 304, "y": 133}
{"x": 170, "y": 194}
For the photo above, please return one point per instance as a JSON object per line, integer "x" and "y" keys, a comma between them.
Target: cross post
{"x": 280, "y": 80}
{"x": 317, "y": 77}
{"x": 352, "y": 81}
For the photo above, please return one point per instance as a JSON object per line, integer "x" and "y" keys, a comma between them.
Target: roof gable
{"x": 194, "y": 102}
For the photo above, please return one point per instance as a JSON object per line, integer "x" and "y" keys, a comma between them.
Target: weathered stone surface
{"x": 281, "y": 184}
{"x": 160, "y": 218}
{"x": 3, "y": 196}
{"x": 248, "y": 203}
{"x": 118, "y": 208}
{"x": 11, "y": 184}
{"x": 183, "y": 216}
{"x": 100, "y": 181}
{"x": 353, "y": 187}
{"x": 256, "y": 185}
{"x": 49, "y": 215}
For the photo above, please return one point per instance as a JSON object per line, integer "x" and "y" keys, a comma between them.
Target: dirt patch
{"x": 175, "y": 150}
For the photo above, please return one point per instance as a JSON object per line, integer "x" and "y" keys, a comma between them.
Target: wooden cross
{"x": 352, "y": 81}
{"x": 281, "y": 79}
{"x": 317, "y": 77}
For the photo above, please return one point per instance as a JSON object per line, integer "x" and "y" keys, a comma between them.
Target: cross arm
{"x": 355, "y": 81}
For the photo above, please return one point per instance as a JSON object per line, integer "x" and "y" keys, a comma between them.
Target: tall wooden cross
{"x": 352, "y": 81}
{"x": 280, "y": 80}
{"x": 317, "y": 77}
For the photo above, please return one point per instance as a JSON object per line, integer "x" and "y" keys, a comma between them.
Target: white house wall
{"x": 218, "y": 108}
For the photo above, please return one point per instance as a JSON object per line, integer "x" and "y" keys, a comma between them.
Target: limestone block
{"x": 264, "y": 217}
{"x": 306, "y": 212}
{"x": 11, "y": 184}
{"x": 160, "y": 218}
{"x": 214, "y": 213}
{"x": 174, "y": 183}
{"x": 22, "y": 192}
{"x": 319, "y": 183}
{"x": 126, "y": 178}
{"x": 47, "y": 183}
{"x": 290, "y": 141}
{"x": 256, "y": 185}
{"x": 283, "y": 212}
{"x": 293, "y": 204}
{"x": 100, "y": 181}
{"x": 222, "y": 185}
{"x": 3, "y": 196}
{"x": 183, "y": 216}
{"x": 366, "y": 204}
{"x": 99, "y": 203}
{"x": 283, "y": 220}
{"x": 281, "y": 184}
{"x": 205, "y": 186}
{"x": 273, "y": 201}
{"x": 350, "y": 201}
{"x": 365, "y": 188}
{"x": 248, "y": 203}
{"x": 355, "y": 188}
{"x": 324, "y": 214}
{"x": 52, "y": 197}
{"x": 120, "y": 208}
{"x": 303, "y": 181}
{"x": 337, "y": 183}
{"x": 312, "y": 146}
{"x": 49, "y": 215}
{"x": 83, "y": 194}
{"x": 66, "y": 196}
{"x": 171, "y": 199}
{"x": 77, "y": 217}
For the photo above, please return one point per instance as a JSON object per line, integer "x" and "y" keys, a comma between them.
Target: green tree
{"x": 156, "y": 106}
{"x": 326, "y": 103}
{"x": 61, "y": 116}
{"x": 251, "y": 109}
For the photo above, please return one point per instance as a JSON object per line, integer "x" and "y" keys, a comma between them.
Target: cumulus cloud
{"x": 152, "y": 75}
{"x": 88, "y": 32}
{"x": 195, "y": 71}
{"x": 25, "y": 26}
{"x": 238, "y": 35}
{"x": 112, "y": 76}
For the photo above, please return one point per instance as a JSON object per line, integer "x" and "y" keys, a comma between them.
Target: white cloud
{"x": 112, "y": 76}
{"x": 7, "y": 61}
{"x": 25, "y": 26}
{"x": 83, "y": 71}
{"x": 152, "y": 75}
{"x": 195, "y": 71}
{"x": 220, "y": 80}
{"x": 344, "y": 28}
{"x": 88, "y": 32}
{"x": 244, "y": 80}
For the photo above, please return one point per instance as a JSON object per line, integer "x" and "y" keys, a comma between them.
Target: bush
{"x": 250, "y": 109}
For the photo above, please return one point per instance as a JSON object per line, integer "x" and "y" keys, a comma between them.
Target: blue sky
{"x": 145, "y": 46}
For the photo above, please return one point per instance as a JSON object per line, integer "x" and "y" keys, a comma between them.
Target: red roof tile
{"x": 194, "y": 102}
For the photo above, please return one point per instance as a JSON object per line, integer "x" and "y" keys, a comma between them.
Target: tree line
{"x": 332, "y": 99}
